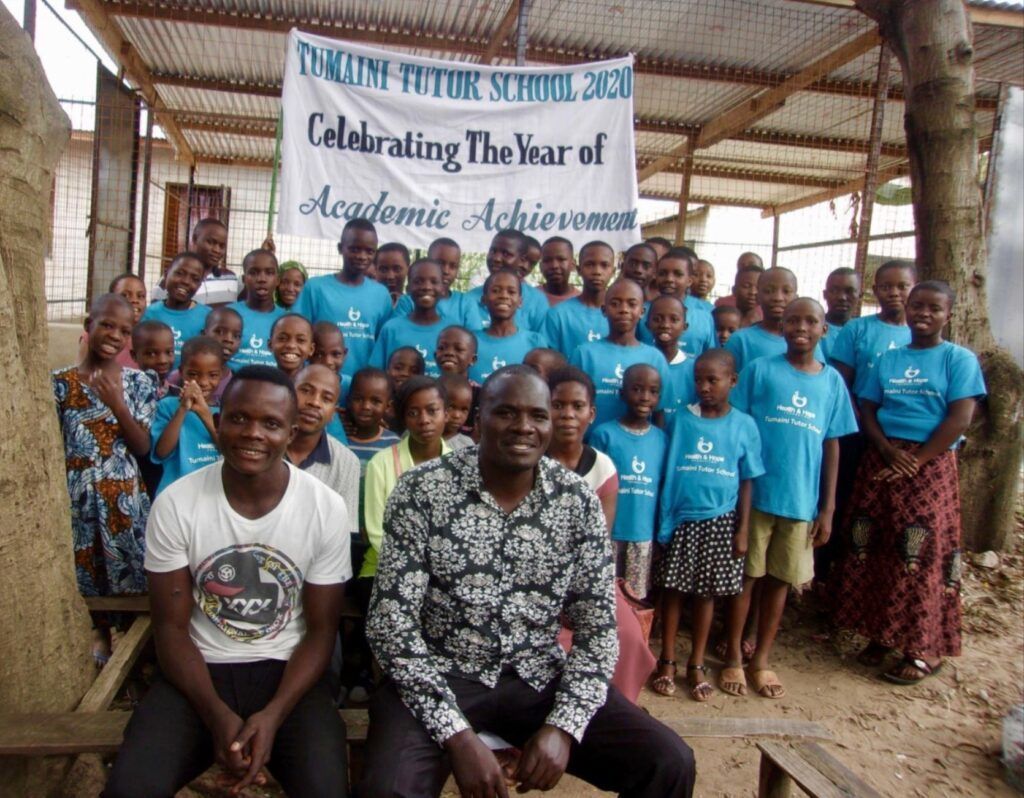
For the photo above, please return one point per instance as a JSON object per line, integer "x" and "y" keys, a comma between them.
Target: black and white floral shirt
{"x": 465, "y": 589}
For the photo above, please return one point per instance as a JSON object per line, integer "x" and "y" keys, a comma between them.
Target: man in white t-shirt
{"x": 246, "y": 561}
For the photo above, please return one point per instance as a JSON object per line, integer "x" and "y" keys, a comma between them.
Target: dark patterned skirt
{"x": 699, "y": 558}
{"x": 899, "y": 583}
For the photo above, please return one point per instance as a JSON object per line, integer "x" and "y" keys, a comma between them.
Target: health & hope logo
{"x": 705, "y": 447}
{"x": 255, "y": 342}
{"x": 911, "y": 372}
{"x": 638, "y": 465}
{"x": 798, "y": 400}
{"x": 354, "y": 314}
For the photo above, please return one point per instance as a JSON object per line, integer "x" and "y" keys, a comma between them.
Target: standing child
{"x": 405, "y": 362}
{"x": 291, "y": 279}
{"x": 184, "y": 434}
{"x": 224, "y": 325}
{"x": 391, "y": 268}
{"x": 666, "y": 322}
{"x": 672, "y": 278}
{"x": 714, "y": 453}
{"x": 637, "y": 448}
{"x": 744, "y": 289}
{"x": 727, "y": 320}
{"x": 800, "y": 410}
{"x": 259, "y": 311}
{"x": 455, "y": 306}
{"x": 456, "y": 350}
{"x": 638, "y": 265}
{"x": 702, "y": 283}
{"x": 842, "y": 292}
{"x": 545, "y": 361}
{"x": 152, "y": 347}
{"x": 509, "y": 249}
{"x": 329, "y": 350}
{"x": 458, "y": 407}
{"x": 502, "y": 343}
{"x": 369, "y": 398}
{"x": 131, "y": 287}
{"x": 291, "y": 342}
{"x": 581, "y": 319}
{"x": 178, "y": 311}
{"x": 557, "y": 266}
{"x": 422, "y": 326}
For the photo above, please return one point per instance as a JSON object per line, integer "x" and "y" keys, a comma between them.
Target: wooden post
{"x": 867, "y": 197}
{"x": 684, "y": 193}
{"x": 147, "y": 163}
{"x": 188, "y": 214}
{"x": 776, "y": 223}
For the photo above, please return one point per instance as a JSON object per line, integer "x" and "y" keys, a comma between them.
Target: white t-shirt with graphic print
{"x": 247, "y": 574}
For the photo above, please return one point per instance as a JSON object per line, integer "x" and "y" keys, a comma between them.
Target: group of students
{"x": 726, "y": 442}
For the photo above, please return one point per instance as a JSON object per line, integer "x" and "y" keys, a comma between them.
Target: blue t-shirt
{"x": 914, "y": 387}
{"x": 195, "y": 447}
{"x": 828, "y": 340}
{"x": 795, "y": 413}
{"x": 359, "y": 311}
{"x": 493, "y": 353}
{"x": 862, "y": 341}
{"x": 707, "y": 459}
{"x": 456, "y": 308}
{"x": 254, "y": 349}
{"x": 682, "y": 387}
{"x": 571, "y": 323}
{"x": 753, "y": 342}
{"x": 639, "y": 458}
{"x": 606, "y": 363}
{"x": 699, "y": 303}
{"x": 699, "y": 335}
{"x": 531, "y": 313}
{"x": 402, "y": 331}
{"x": 336, "y": 430}
{"x": 184, "y": 324}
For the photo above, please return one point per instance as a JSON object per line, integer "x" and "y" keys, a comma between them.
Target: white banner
{"x": 426, "y": 148}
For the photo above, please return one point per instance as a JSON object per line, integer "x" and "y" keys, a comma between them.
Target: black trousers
{"x": 851, "y": 449}
{"x": 624, "y": 749}
{"x": 167, "y": 745}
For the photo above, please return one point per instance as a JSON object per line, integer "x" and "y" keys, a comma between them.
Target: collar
{"x": 679, "y": 358}
{"x": 321, "y": 453}
{"x": 466, "y": 463}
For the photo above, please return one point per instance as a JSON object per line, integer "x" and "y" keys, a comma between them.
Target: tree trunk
{"x": 45, "y": 663}
{"x": 933, "y": 41}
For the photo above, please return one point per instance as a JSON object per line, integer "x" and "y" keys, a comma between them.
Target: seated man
{"x": 246, "y": 560}
{"x": 484, "y": 549}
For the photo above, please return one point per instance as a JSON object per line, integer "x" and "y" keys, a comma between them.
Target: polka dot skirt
{"x": 699, "y": 558}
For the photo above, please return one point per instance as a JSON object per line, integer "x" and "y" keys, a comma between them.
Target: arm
{"x": 168, "y": 440}
{"x": 821, "y": 528}
{"x": 742, "y": 535}
{"x": 846, "y": 372}
{"x": 608, "y": 504}
{"x": 111, "y": 393}
{"x": 899, "y": 460}
{"x": 958, "y": 418}
{"x": 375, "y": 498}
{"x": 202, "y": 409}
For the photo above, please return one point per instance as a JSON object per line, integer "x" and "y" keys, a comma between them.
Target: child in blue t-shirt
{"x": 502, "y": 343}
{"x": 702, "y": 282}
{"x": 637, "y": 448}
{"x": 329, "y": 350}
{"x": 672, "y": 278}
{"x": 842, "y": 293}
{"x": 714, "y": 453}
{"x": 606, "y": 361}
{"x": 420, "y": 328}
{"x": 581, "y": 319}
{"x": 800, "y": 409}
{"x": 728, "y": 319}
{"x": 184, "y": 432}
{"x": 454, "y": 306}
{"x": 258, "y": 311}
{"x": 509, "y": 249}
{"x": 357, "y": 305}
{"x": 223, "y": 325}
{"x": 391, "y": 269}
{"x": 178, "y": 311}
{"x": 666, "y": 322}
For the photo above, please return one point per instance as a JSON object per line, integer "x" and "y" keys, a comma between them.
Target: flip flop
{"x": 926, "y": 670}
{"x": 765, "y": 679}
{"x": 873, "y": 655}
{"x": 733, "y": 681}
{"x": 746, "y": 650}
{"x": 665, "y": 685}
{"x": 702, "y": 690}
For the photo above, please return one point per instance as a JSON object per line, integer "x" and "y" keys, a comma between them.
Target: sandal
{"x": 895, "y": 676}
{"x": 664, "y": 684}
{"x": 767, "y": 684}
{"x": 733, "y": 681}
{"x": 747, "y": 649}
{"x": 700, "y": 690}
{"x": 873, "y": 654}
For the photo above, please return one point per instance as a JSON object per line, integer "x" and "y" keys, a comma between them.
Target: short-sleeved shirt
{"x": 572, "y": 323}
{"x": 557, "y": 299}
{"x": 697, "y": 338}
{"x": 248, "y": 573}
{"x": 682, "y": 386}
{"x": 639, "y": 458}
{"x": 706, "y": 461}
{"x": 751, "y": 343}
{"x": 254, "y": 349}
{"x": 359, "y": 311}
{"x": 914, "y": 387}
{"x": 456, "y": 308}
{"x": 531, "y": 313}
{"x": 402, "y": 331}
{"x": 184, "y": 324}
{"x": 862, "y": 341}
{"x": 700, "y": 303}
{"x": 493, "y": 353}
{"x": 606, "y": 363}
{"x": 195, "y": 447}
{"x": 215, "y": 289}
{"x": 795, "y": 413}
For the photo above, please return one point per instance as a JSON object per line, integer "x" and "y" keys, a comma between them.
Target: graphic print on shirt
{"x": 594, "y": 335}
{"x": 702, "y": 461}
{"x": 636, "y": 483}
{"x": 248, "y": 591}
{"x": 796, "y": 414}
{"x": 255, "y": 342}
{"x": 911, "y": 384}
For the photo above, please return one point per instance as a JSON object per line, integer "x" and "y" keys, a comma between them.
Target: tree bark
{"x": 45, "y": 663}
{"x": 933, "y": 41}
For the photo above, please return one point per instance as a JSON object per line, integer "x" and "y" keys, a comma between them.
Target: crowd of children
{"x": 740, "y": 449}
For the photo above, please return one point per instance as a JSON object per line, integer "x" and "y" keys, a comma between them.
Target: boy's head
{"x": 259, "y": 275}
{"x": 459, "y": 403}
{"x": 572, "y": 404}
{"x": 748, "y": 259}
{"x": 702, "y": 279}
{"x": 672, "y": 274}
{"x": 744, "y": 287}
{"x": 153, "y": 347}
{"x": 448, "y": 253}
{"x": 776, "y": 288}
{"x": 929, "y": 306}
{"x": 727, "y": 320}
{"x": 183, "y": 278}
{"x": 842, "y": 290}
{"x": 225, "y": 325}
{"x": 405, "y": 362}
{"x": 357, "y": 247}
{"x": 533, "y": 255}
{"x": 420, "y": 408}
{"x": 623, "y": 305}
{"x": 369, "y": 397}
{"x": 661, "y": 245}
{"x": 134, "y": 290}
{"x": 210, "y": 243}
{"x": 638, "y": 264}
{"x": 893, "y": 281}
{"x": 667, "y": 321}
{"x": 317, "y": 388}
{"x": 291, "y": 342}
{"x": 290, "y": 281}
{"x": 803, "y": 324}
{"x": 426, "y": 287}
{"x": 392, "y": 267}
{"x": 508, "y": 248}
{"x": 109, "y": 325}
{"x": 556, "y": 263}
{"x": 714, "y": 375}
{"x": 596, "y": 267}
{"x": 502, "y": 294}
{"x": 641, "y": 389}
{"x": 328, "y": 346}
{"x": 456, "y": 350}
{"x": 544, "y": 361}
{"x": 201, "y": 363}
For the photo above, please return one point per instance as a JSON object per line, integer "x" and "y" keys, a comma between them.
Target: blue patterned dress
{"x": 109, "y": 505}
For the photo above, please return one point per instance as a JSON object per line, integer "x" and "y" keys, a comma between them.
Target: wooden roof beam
{"x": 746, "y": 175}
{"x": 980, "y": 15}
{"x": 698, "y": 199}
{"x": 508, "y": 22}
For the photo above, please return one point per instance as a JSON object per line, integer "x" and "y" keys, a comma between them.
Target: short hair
{"x": 201, "y": 345}
{"x": 896, "y": 264}
{"x": 810, "y": 299}
{"x": 410, "y": 388}
{"x": 659, "y": 241}
{"x": 148, "y": 327}
{"x": 394, "y": 246}
{"x": 454, "y": 382}
{"x": 775, "y": 269}
{"x": 513, "y": 235}
{"x": 103, "y": 300}
{"x": 749, "y": 268}
{"x": 842, "y": 271}
{"x": 359, "y": 223}
{"x": 270, "y": 374}
{"x": 643, "y": 245}
{"x": 596, "y": 243}
{"x": 279, "y": 319}
{"x": 514, "y": 370}
{"x": 188, "y": 253}
{"x": 370, "y": 373}
{"x": 717, "y": 355}
{"x": 558, "y": 240}
{"x": 760, "y": 262}
{"x": 420, "y": 262}
{"x": 444, "y": 241}
{"x": 221, "y": 311}
{"x": 572, "y": 374}
{"x": 636, "y": 368}
{"x": 725, "y": 310}
{"x": 322, "y": 327}
{"x": 503, "y": 270}
{"x": 549, "y": 352}
{"x": 256, "y": 253}
{"x": 462, "y": 329}
{"x": 532, "y": 242}
{"x": 677, "y": 300}
{"x": 209, "y": 221}
{"x": 683, "y": 252}
{"x": 124, "y": 276}
{"x": 421, "y": 364}
{"x": 939, "y": 287}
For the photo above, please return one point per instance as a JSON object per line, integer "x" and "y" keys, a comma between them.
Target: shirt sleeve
{"x": 350, "y": 492}
{"x": 378, "y": 357}
{"x": 965, "y": 378}
{"x": 304, "y": 304}
{"x": 471, "y": 318}
{"x": 550, "y": 329}
{"x": 667, "y": 395}
{"x": 842, "y": 422}
{"x": 590, "y": 610}
{"x": 740, "y": 396}
{"x": 332, "y": 561}
{"x": 165, "y": 410}
{"x": 166, "y": 537}
{"x": 141, "y": 397}
{"x": 844, "y": 347}
{"x": 393, "y": 622}
{"x": 735, "y": 345}
{"x": 872, "y": 387}
{"x": 751, "y": 465}
{"x": 375, "y": 497}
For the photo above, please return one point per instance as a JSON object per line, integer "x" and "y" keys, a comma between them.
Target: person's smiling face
{"x": 515, "y": 422}
{"x": 255, "y": 425}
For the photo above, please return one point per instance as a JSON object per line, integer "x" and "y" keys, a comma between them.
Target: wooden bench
{"x": 813, "y": 769}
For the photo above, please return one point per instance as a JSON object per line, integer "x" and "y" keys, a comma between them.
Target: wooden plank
{"x": 102, "y": 692}
{"x": 117, "y": 603}
{"x": 56, "y": 734}
{"x": 848, "y": 782}
{"x": 772, "y": 781}
{"x": 502, "y": 32}
{"x": 746, "y": 727}
{"x": 800, "y": 771}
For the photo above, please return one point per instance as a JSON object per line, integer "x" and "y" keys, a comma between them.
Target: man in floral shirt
{"x": 485, "y": 550}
